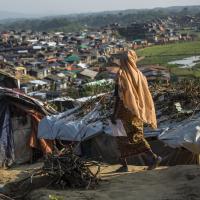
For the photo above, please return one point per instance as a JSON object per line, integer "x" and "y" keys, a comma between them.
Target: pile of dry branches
{"x": 61, "y": 170}
{"x": 69, "y": 170}
{"x": 185, "y": 92}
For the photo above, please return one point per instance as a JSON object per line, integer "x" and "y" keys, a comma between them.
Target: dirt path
{"x": 16, "y": 173}
{"x": 174, "y": 183}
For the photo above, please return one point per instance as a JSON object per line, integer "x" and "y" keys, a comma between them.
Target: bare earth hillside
{"x": 174, "y": 183}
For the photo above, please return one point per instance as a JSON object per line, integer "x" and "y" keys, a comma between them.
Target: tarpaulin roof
{"x": 18, "y": 97}
{"x": 72, "y": 58}
{"x": 38, "y": 82}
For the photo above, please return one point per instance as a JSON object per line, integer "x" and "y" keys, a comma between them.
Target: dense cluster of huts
{"x": 45, "y": 66}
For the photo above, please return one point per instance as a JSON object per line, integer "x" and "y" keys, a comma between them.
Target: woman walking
{"x": 134, "y": 106}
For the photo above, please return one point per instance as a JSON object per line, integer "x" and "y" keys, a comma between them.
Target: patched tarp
{"x": 66, "y": 126}
{"x": 185, "y": 134}
{"x": 18, "y": 136}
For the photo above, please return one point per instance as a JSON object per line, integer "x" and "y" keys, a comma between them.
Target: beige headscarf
{"x": 134, "y": 91}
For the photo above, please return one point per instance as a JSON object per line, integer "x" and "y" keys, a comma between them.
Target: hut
{"x": 19, "y": 118}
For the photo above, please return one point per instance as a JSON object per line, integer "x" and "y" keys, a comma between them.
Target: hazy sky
{"x": 49, "y": 7}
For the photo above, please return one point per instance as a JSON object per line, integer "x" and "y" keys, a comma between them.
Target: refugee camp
{"x": 99, "y": 100}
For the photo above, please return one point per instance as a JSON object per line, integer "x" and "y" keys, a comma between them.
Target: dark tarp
{"x": 7, "y": 80}
{"x": 6, "y": 135}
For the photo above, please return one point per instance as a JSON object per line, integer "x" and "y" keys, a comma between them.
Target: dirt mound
{"x": 174, "y": 183}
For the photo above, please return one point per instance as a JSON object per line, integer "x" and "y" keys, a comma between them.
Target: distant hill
{"x": 192, "y": 9}
{"x": 5, "y": 15}
{"x": 75, "y": 22}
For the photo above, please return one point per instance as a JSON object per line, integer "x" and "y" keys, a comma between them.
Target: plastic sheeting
{"x": 66, "y": 127}
{"x": 6, "y": 136}
{"x": 21, "y": 133}
{"x": 186, "y": 134}
{"x": 118, "y": 129}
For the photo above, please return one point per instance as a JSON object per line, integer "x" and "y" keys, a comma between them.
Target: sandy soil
{"x": 174, "y": 183}
{"x": 17, "y": 173}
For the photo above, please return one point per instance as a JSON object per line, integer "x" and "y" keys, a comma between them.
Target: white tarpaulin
{"x": 186, "y": 134}
{"x": 117, "y": 129}
{"x": 66, "y": 126}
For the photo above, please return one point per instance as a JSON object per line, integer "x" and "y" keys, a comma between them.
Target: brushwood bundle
{"x": 177, "y": 101}
{"x": 70, "y": 171}
{"x": 102, "y": 103}
{"x": 61, "y": 170}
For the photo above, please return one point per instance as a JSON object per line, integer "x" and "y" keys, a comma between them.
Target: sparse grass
{"x": 55, "y": 197}
{"x": 185, "y": 72}
{"x": 197, "y": 66}
{"x": 162, "y": 54}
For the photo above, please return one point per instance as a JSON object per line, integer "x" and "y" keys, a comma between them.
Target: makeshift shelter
{"x": 19, "y": 118}
{"x": 88, "y": 126}
{"x": 63, "y": 103}
{"x": 8, "y": 80}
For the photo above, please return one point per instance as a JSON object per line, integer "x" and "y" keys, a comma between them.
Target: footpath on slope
{"x": 173, "y": 183}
